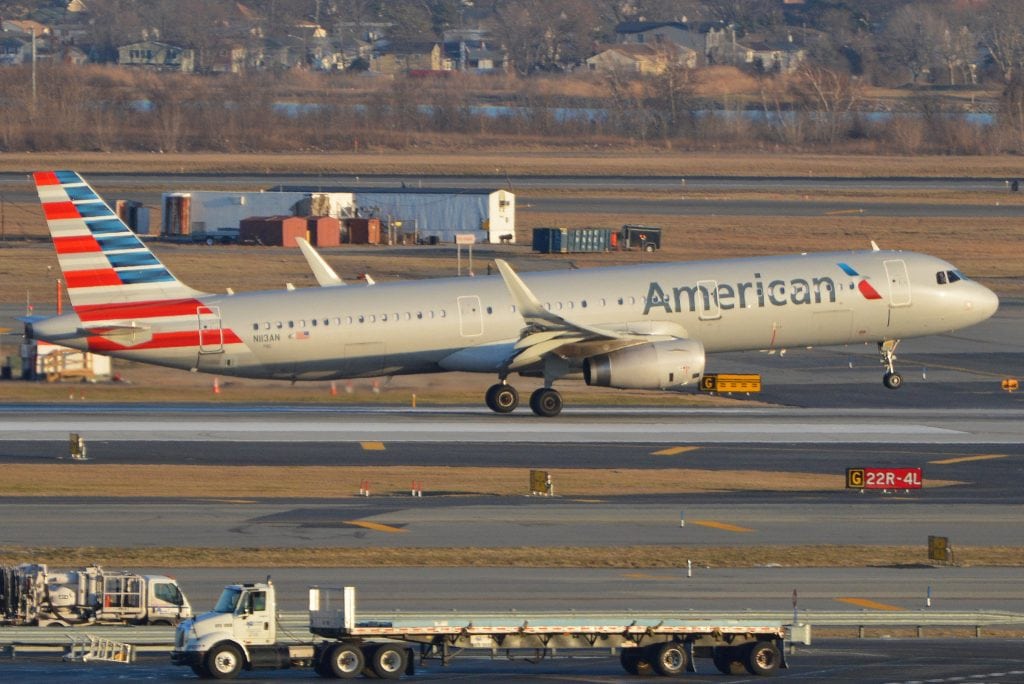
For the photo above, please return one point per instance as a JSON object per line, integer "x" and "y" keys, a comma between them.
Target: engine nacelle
{"x": 666, "y": 365}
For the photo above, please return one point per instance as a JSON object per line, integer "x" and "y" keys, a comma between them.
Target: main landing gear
{"x": 503, "y": 398}
{"x": 887, "y": 350}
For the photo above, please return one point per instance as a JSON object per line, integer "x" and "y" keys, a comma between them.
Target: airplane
{"x": 648, "y": 326}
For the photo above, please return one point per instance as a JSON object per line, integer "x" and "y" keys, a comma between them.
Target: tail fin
{"x": 103, "y": 261}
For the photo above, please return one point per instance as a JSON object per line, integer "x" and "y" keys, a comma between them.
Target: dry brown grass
{"x": 633, "y": 557}
{"x": 517, "y": 161}
{"x": 93, "y": 479}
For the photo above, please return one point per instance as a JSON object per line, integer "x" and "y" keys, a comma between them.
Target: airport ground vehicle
{"x": 647, "y": 238}
{"x": 241, "y": 633}
{"x": 32, "y": 594}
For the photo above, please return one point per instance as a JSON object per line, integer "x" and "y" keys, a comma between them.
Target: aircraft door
{"x": 899, "y": 282}
{"x": 211, "y": 335}
{"x": 471, "y": 321}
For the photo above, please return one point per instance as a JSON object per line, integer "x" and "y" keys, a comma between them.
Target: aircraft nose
{"x": 983, "y": 303}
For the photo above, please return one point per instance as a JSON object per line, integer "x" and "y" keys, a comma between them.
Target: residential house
{"x": 402, "y": 58}
{"x": 152, "y": 54}
{"x": 25, "y": 26}
{"x": 766, "y": 55}
{"x": 662, "y": 33}
{"x": 15, "y": 48}
{"x": 641, "y": 59}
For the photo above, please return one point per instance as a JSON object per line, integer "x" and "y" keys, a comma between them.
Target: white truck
{"x": 241, "y": 633}
{"x": 32, "y": 594}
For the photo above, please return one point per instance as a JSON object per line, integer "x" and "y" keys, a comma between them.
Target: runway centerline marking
{"x": 379, "y": 527}
{"x": 372, "y": 446}
{"x": 721, "y": 526}
{"x": 674, "y": 451}
{"x": 867, "y": 603}
{"x": 967, "y": 459}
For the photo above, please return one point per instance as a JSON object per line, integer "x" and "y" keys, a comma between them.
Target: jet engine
{"x": 665, "y": 365}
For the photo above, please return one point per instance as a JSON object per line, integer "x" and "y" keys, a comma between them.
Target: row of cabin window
{"x": 441, "y": 313}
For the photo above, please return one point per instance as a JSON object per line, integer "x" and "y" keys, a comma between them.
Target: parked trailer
{"x": 32, "y": 594}
{"x": 240, "y": 633}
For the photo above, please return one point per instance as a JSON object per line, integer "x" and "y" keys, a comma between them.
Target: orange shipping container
{"x": 363, "y": 231}
{"x": 324, "y": 231}
{"x": 279, "y": 231}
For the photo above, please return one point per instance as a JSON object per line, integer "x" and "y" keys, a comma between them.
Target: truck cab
{"x": 239, "y": 633}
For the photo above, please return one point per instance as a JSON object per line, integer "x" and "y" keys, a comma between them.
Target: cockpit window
{"x": 943, "y": 277}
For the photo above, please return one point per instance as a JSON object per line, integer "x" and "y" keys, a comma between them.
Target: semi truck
{"x": 240, "y": 633}
{"x": 32, "y": 594}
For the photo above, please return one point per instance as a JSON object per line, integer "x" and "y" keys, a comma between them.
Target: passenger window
{"x": 384, "y": 318}
{"x": 940, "y": 277}
{"x": 255, "y": 326}
{"x": 314, "y": 322}
{"x": 621, "y": 302}
{"x": 419, "y": 314}
{"x": 489, "y": 311}
{"x": 362, "y": 318}
{"x": 279, "y": 325}
{"x": 266, "y": 325}
{"x": 291, "y": 324}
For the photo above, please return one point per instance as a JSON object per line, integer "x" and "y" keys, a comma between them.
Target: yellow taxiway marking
{"x": 234, "y": 501}
{"x": 372, "y": 446}
{"x": 844, "y": 212}
{"x": 867, "y": 603}
{"x": 380, "y": 527}
{"x": 645, "y": 576}
{"x": 966, "y": 459}
{"x": 721, "y": 526}
{"x": 674, "y": 451}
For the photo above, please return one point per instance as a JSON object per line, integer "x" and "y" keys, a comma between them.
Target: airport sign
{"x": 884, "y": 478}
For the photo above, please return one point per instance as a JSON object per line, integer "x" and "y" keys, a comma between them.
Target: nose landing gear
{"x": 887, "y": 350}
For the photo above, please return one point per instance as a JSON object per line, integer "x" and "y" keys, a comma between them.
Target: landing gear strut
{"x": 887, "y": 349}
{"x": 502, "y": 398}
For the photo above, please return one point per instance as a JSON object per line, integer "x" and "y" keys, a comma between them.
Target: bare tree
{"x": 1001, "y": 30}
{"x": 911, "y": 38}
{"x": 829, "y": 95}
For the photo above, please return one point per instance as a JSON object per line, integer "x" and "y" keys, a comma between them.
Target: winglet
{"x": 525, "y": 300}
{"x": 324, "y": 274}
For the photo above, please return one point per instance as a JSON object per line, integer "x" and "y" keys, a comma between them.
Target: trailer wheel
{"x": 344, "y": 661}
{"x": 389, "y": 661}
{"x": 635, "y": 662}
{"x": 728, "y": 660}
{"x": 668, "y": 658}
{"x": 224, "y": 661}
{"x": 763, "y": 658}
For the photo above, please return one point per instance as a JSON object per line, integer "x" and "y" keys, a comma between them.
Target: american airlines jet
{"x": 640, "y": 327}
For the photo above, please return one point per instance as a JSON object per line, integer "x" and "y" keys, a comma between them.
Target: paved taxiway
{"x": 842, "y": 661}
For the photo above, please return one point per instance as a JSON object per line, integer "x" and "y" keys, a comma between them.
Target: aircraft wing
{"x": 547, "y": 333}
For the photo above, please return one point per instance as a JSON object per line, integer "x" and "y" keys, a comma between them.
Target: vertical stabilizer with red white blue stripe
{"x": 103, "y": 261}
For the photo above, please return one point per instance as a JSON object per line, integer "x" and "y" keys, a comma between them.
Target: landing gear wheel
{"x": 763, "y": 658}
{"x": 389, "y": 661}
{"x": 634, "y": 661}
{"x": 727, "y": 660}
{"x": 502, "y": 398}
{"x": 344, "y": 661}
{"x": 669, "y": 658}
{"x": 892, "y": 380}
{"x": 224, "y": 662}
{"x": 546, "y": 402}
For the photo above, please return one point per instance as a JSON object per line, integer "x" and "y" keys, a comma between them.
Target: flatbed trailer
{"x": 387, "y": 647}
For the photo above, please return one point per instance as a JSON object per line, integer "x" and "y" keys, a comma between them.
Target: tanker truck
{"x": 32, "y": 594}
